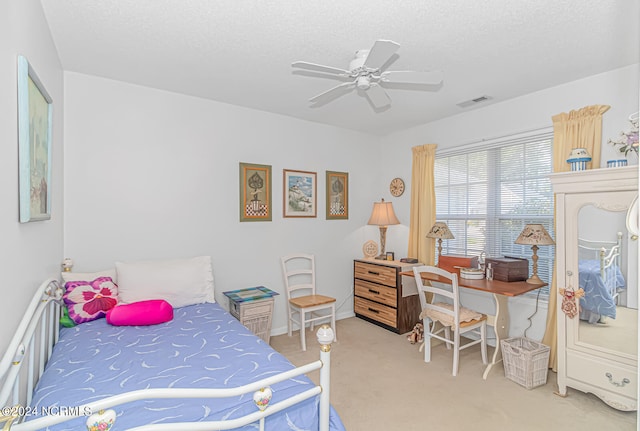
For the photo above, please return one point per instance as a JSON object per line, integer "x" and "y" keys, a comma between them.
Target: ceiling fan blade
{"x": 333, "y": 92}
{"x": 381, "y": 52}
{"x": 320, "y": 68}
{"x": 378, "y": 96}
{"x": 412, "y": 77}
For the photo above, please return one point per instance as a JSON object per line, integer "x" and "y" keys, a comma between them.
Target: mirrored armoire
{"x": 597, "y": 279}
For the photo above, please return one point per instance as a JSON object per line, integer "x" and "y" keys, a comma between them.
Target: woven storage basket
{"x": 526, "y": 362}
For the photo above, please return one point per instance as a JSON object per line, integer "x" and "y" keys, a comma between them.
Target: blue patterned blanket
{"x": 599, "y": 294}
{"x": 202, "y": 347}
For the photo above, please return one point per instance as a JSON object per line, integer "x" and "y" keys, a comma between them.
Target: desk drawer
{"x": 376, "y": 273}
{"x": 376, "y": 292}
{"x": 375, "y": 311}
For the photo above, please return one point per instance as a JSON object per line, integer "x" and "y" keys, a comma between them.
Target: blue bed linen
{"x": 598, "y": 300}
{"x": 202, "y": 347}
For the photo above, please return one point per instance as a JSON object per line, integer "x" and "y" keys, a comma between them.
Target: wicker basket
{"x": 526, "y": 362}
{"x": 255, "y": 315}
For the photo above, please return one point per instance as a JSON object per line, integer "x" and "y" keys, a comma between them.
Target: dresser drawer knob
{"x": 617, "y": 384}
{"x": 373, "y": 272}
{"x": 374, "y": 291}
{"x": 373, "y": 310}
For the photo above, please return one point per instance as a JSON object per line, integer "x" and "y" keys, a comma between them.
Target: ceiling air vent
{"x": 475, "y": 101}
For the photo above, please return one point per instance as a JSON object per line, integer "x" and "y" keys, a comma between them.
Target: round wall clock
{"x": 370, "y": 249}
{"x": 396, "y": 187}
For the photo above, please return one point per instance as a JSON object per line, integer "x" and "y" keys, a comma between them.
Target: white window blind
{"x": 487, "y": 195}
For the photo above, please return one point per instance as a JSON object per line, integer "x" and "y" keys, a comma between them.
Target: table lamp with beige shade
{"x": 534, "y": 235}
{"x": 383, "y": 216}
{"x": 441, "y": 231}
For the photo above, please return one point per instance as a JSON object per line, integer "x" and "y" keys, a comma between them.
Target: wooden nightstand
{"x": 253, "y": 307}
{"x": 380, "y": 296}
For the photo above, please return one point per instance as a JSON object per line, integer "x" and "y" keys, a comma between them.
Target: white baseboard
{"x": 283, "y": 329}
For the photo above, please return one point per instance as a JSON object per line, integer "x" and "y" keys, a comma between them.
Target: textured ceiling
{"x": 240, "y": 51}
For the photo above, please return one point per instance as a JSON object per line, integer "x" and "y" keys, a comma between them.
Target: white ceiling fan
{"x": 367, "y": 74}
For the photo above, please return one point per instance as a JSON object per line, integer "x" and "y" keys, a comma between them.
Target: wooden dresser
{"x": 381, "y": 298}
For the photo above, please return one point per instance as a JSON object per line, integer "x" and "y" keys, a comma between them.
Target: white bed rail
{"x": 37, "y": 316}
{"x": 607, "y": 252}
{"x": 41, "y": 319}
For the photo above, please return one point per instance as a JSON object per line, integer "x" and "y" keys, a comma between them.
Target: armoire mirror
{"x": 609, "y": 309}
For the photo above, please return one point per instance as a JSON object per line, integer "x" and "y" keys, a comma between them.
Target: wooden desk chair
{"x": 299, "y": 275}
{"x": 451, "y": 315}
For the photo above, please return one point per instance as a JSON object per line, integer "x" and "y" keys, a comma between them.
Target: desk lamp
{"x": 383, "y": 216}
{"x": 534, "y": 235}
{"x": 441, "y": 231}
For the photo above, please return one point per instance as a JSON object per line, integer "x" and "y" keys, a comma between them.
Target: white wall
{"x": 618, "y": 88}
{"x": 31, "y": 252}
{"x": 152, "y": 174}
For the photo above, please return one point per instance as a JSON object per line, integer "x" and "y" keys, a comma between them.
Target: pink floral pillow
{"x": 90, "y": 300}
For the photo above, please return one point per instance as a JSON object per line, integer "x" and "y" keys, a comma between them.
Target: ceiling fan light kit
{"x": 366, "y": 71}
{"x": 363, "y": 82}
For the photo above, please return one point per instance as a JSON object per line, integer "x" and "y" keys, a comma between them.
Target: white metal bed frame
{"x": 42, "y": 317}
{"x": 608, "y": 257}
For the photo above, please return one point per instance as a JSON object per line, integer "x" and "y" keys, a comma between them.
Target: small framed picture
{"x": 255, "y": 192}
{"x": 337, "y": 195}
{"x": 390, "y": 255}
{"x": 299, "y": 199}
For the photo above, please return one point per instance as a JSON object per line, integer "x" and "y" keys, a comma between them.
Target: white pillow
{"x": 89, "y": 276}
{"x": 180, "y": 282}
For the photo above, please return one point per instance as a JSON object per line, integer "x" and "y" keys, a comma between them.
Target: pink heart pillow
{"x": 142, "y": 313}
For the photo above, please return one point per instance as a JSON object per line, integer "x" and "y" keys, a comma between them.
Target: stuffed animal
{"x": 416, "y": 334}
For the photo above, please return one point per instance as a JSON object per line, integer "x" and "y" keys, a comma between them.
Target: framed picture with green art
{"x": 337, "y": 195}
{"x": 255, "y": 192}
{"x": 34, "y": 144}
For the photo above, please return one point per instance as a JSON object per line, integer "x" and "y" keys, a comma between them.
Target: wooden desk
{"x": 501, "y": 292}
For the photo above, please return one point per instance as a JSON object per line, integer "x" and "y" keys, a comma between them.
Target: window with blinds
{"x": 487, "y": 195}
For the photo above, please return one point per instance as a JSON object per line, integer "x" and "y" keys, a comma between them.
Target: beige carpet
{"x": 379, "y": 381}
{"x": 619, "y": 334}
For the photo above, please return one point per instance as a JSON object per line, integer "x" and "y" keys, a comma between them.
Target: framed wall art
{"x": 337, "y": 195}
{"x": 299, "y": 199}
{"x": 255, "y": 192}
{"x": 34, "y": 144}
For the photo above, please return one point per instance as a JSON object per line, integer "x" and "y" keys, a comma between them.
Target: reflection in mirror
{"x": 608, "y": 274}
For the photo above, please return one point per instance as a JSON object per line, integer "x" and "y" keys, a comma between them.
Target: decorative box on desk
{"x": 253, "y": 307}
{"x": 449, "y": 262}
{"x": 509, "y": 268}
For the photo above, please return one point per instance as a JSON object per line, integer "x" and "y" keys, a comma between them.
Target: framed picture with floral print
{"x": 255, "y": 192}
{"x": 299, "y": 197}
{"x": 337, "y": 195}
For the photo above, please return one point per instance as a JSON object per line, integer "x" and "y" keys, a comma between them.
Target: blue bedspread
{"x": 599, "y": 299}
{"x": 202, "y": 347}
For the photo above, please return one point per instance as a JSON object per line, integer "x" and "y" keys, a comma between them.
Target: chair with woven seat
{"x": 303, "y": 304}
{"x": 451, "y": 315}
